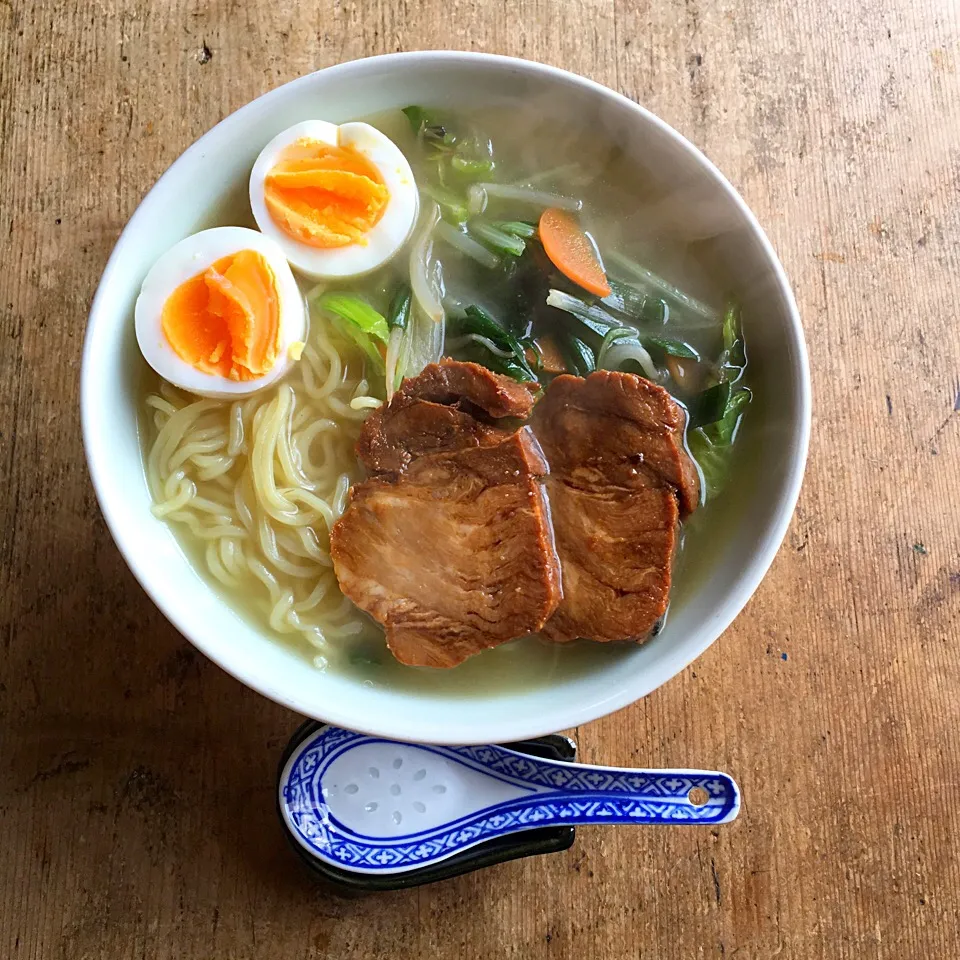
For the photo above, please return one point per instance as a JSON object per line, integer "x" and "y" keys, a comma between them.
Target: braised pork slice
{"x": 619, "y": 482}
{"x": 449, "y": 406}
{"x": 455, "y": 382}
{"x": 404, "y": 430}
{"x": 449, "y": 545}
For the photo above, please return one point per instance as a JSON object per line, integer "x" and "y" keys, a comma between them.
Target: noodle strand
{"x": 259, "y": 482}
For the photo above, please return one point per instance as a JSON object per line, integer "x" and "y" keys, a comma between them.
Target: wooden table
{"x": 136, "y": 778}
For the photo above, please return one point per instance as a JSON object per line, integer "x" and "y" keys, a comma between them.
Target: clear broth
{"x": 618, "y": 202}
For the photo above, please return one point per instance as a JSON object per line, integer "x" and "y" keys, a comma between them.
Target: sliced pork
{"x": 449, "y": 545}
{"x": 449, "y": 406}
{"x": 619, "y": 482}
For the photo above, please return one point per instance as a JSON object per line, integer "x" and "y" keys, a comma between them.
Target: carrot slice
{"x": 551, "y": 357}
{"x": 570, "y": 251}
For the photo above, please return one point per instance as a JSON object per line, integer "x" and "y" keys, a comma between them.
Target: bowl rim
{"x": 501, "y": 728}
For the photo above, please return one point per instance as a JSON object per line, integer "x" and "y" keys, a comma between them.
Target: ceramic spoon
{"x": 380, "y": 806}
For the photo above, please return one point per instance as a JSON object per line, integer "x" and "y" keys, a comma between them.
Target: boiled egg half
{"x": 339, "y": 200}
{"x": 220, "y": 313}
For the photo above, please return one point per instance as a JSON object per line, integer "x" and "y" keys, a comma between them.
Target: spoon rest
{"x": 376, "y": 806}
{"x": 530, "y": 843}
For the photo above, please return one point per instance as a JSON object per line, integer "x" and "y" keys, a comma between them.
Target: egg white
{"x": 387, "y": 235}
{"x": 184, "y": 261}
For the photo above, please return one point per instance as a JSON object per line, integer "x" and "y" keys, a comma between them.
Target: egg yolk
{"x": 323, "y": 195}
{"x": 226, "y": 320}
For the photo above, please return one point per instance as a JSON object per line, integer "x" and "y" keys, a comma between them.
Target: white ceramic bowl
{"x": 773, "y": 445}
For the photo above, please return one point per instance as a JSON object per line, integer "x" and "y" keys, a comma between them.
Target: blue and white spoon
{"x": 382, "y": 807}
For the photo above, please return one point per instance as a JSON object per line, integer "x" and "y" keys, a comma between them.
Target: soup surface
{"x": 538, "y": 250}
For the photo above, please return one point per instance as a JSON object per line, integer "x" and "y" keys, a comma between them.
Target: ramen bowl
{"x": 747, "y": 522}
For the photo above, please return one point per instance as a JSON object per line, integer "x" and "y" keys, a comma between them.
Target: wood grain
{"x": 136, "y": 817}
